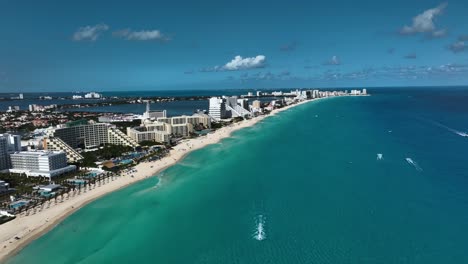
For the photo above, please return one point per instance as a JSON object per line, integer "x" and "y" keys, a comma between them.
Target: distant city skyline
{"x": 52, "y": 46}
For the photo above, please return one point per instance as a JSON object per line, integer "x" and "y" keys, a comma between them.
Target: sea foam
{"x": 259, "y": 233}
{"x": 414, "y": 164}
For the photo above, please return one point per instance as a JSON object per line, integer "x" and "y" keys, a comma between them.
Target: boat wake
{"x": 259, "y": 233}
{"x": 457, "y": 132}
{"x": 379, "y": 156}
{"x": 414, "y": 164}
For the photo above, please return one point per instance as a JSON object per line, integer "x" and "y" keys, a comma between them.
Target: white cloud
{"x": 458, "y": 46}
{"x": 439, "y": 33}
{"x": 90, "y": 33}
{"x": 424, "y": 22}
{"x": 333, "y": 61}
{"x": 141, "y": 35}
{"x": 239, "y": 63}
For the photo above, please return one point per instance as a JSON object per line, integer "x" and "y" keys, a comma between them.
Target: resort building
{"x": 315, "y": 94}
{"x": 13, "y": 142}
{"x": 237, "y": 107}
{"x": 8, "y": 144}
{"x": 84, "y": 135}
{"x": 226, "y": 107}
{"x": 56, "y": 144}
{"x": 217, "y": 108}
{"x": 153, "y": 114}
{"x": 181, "y": 130}
{"x": 164, "y": 128}
{"x": 119, "y": 118}
{"x": 40, "y": 163}
{"x": 117, "y": 137}
{"x": 256, "y": 106}
{"x": 143, "y": 133}
{"x": 196, "y": 120}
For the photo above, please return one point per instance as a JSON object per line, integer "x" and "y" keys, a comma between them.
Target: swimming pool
{"x": 77, "y": 182}
{"x": 125, "y": 162}
{"x": 91, "y": 174}
{"x": 18, "y": 204}
{"x": 48, "y": 194}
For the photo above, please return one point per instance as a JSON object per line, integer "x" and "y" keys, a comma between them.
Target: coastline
{"x": 29, "y": 228}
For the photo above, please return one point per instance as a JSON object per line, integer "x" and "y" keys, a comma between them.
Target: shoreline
{"x": 31, "y": 227}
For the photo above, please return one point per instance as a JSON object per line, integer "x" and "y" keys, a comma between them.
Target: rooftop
{"x": 36, "y": 153}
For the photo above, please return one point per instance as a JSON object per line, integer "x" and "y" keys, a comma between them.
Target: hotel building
{"x": 92, "y": 135}
{"x": 153, "y": 114}
{"x": 56, "y": 144}
{"x": 40, "y": 163}
{"x": 217, "y": 108}
{"x": 163, "y": 129}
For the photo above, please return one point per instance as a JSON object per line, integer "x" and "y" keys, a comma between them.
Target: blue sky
{"x": 148, "y": 45}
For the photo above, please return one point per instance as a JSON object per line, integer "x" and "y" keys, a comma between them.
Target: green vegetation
{"x": 148, "y": 143}
{"x": 216, "y": 125}
{"x": 21, "y": 183}
{"x": 107, "y": 152}
{"x": 237, "y": 119}
{"x": 28, "y": 127}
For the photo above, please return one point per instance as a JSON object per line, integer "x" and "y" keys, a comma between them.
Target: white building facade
{"x": 217, "y": 108}
{"x": 40, "y": 163}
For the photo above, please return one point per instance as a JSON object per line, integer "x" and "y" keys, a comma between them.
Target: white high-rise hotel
{"x": 217, "y": 108}
{"x": 40, "y": 163}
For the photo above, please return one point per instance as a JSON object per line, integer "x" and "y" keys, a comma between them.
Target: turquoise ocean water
{"x": 312, "y": 174}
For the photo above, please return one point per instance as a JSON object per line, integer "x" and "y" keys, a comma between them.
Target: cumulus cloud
{"x": 333, "y": 61}
{"x": 424, "y": 23}
{"x": 438, "y": 33}
{"x": 458, "y": 46}
{"x": 89, "y": 33}
{"x": 141, "y": 35}
{"x": 239, "y": 63}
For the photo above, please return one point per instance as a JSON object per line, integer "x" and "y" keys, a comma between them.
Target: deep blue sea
{"x": 311, "y": 177}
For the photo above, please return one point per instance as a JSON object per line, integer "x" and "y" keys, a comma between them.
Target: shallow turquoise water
{"x": 312, "y": 173}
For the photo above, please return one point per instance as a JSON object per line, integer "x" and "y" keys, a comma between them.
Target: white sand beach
{"x": 16, "y": 234}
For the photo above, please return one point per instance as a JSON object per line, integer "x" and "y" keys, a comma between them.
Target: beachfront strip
{"x": 61, "y": 168}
